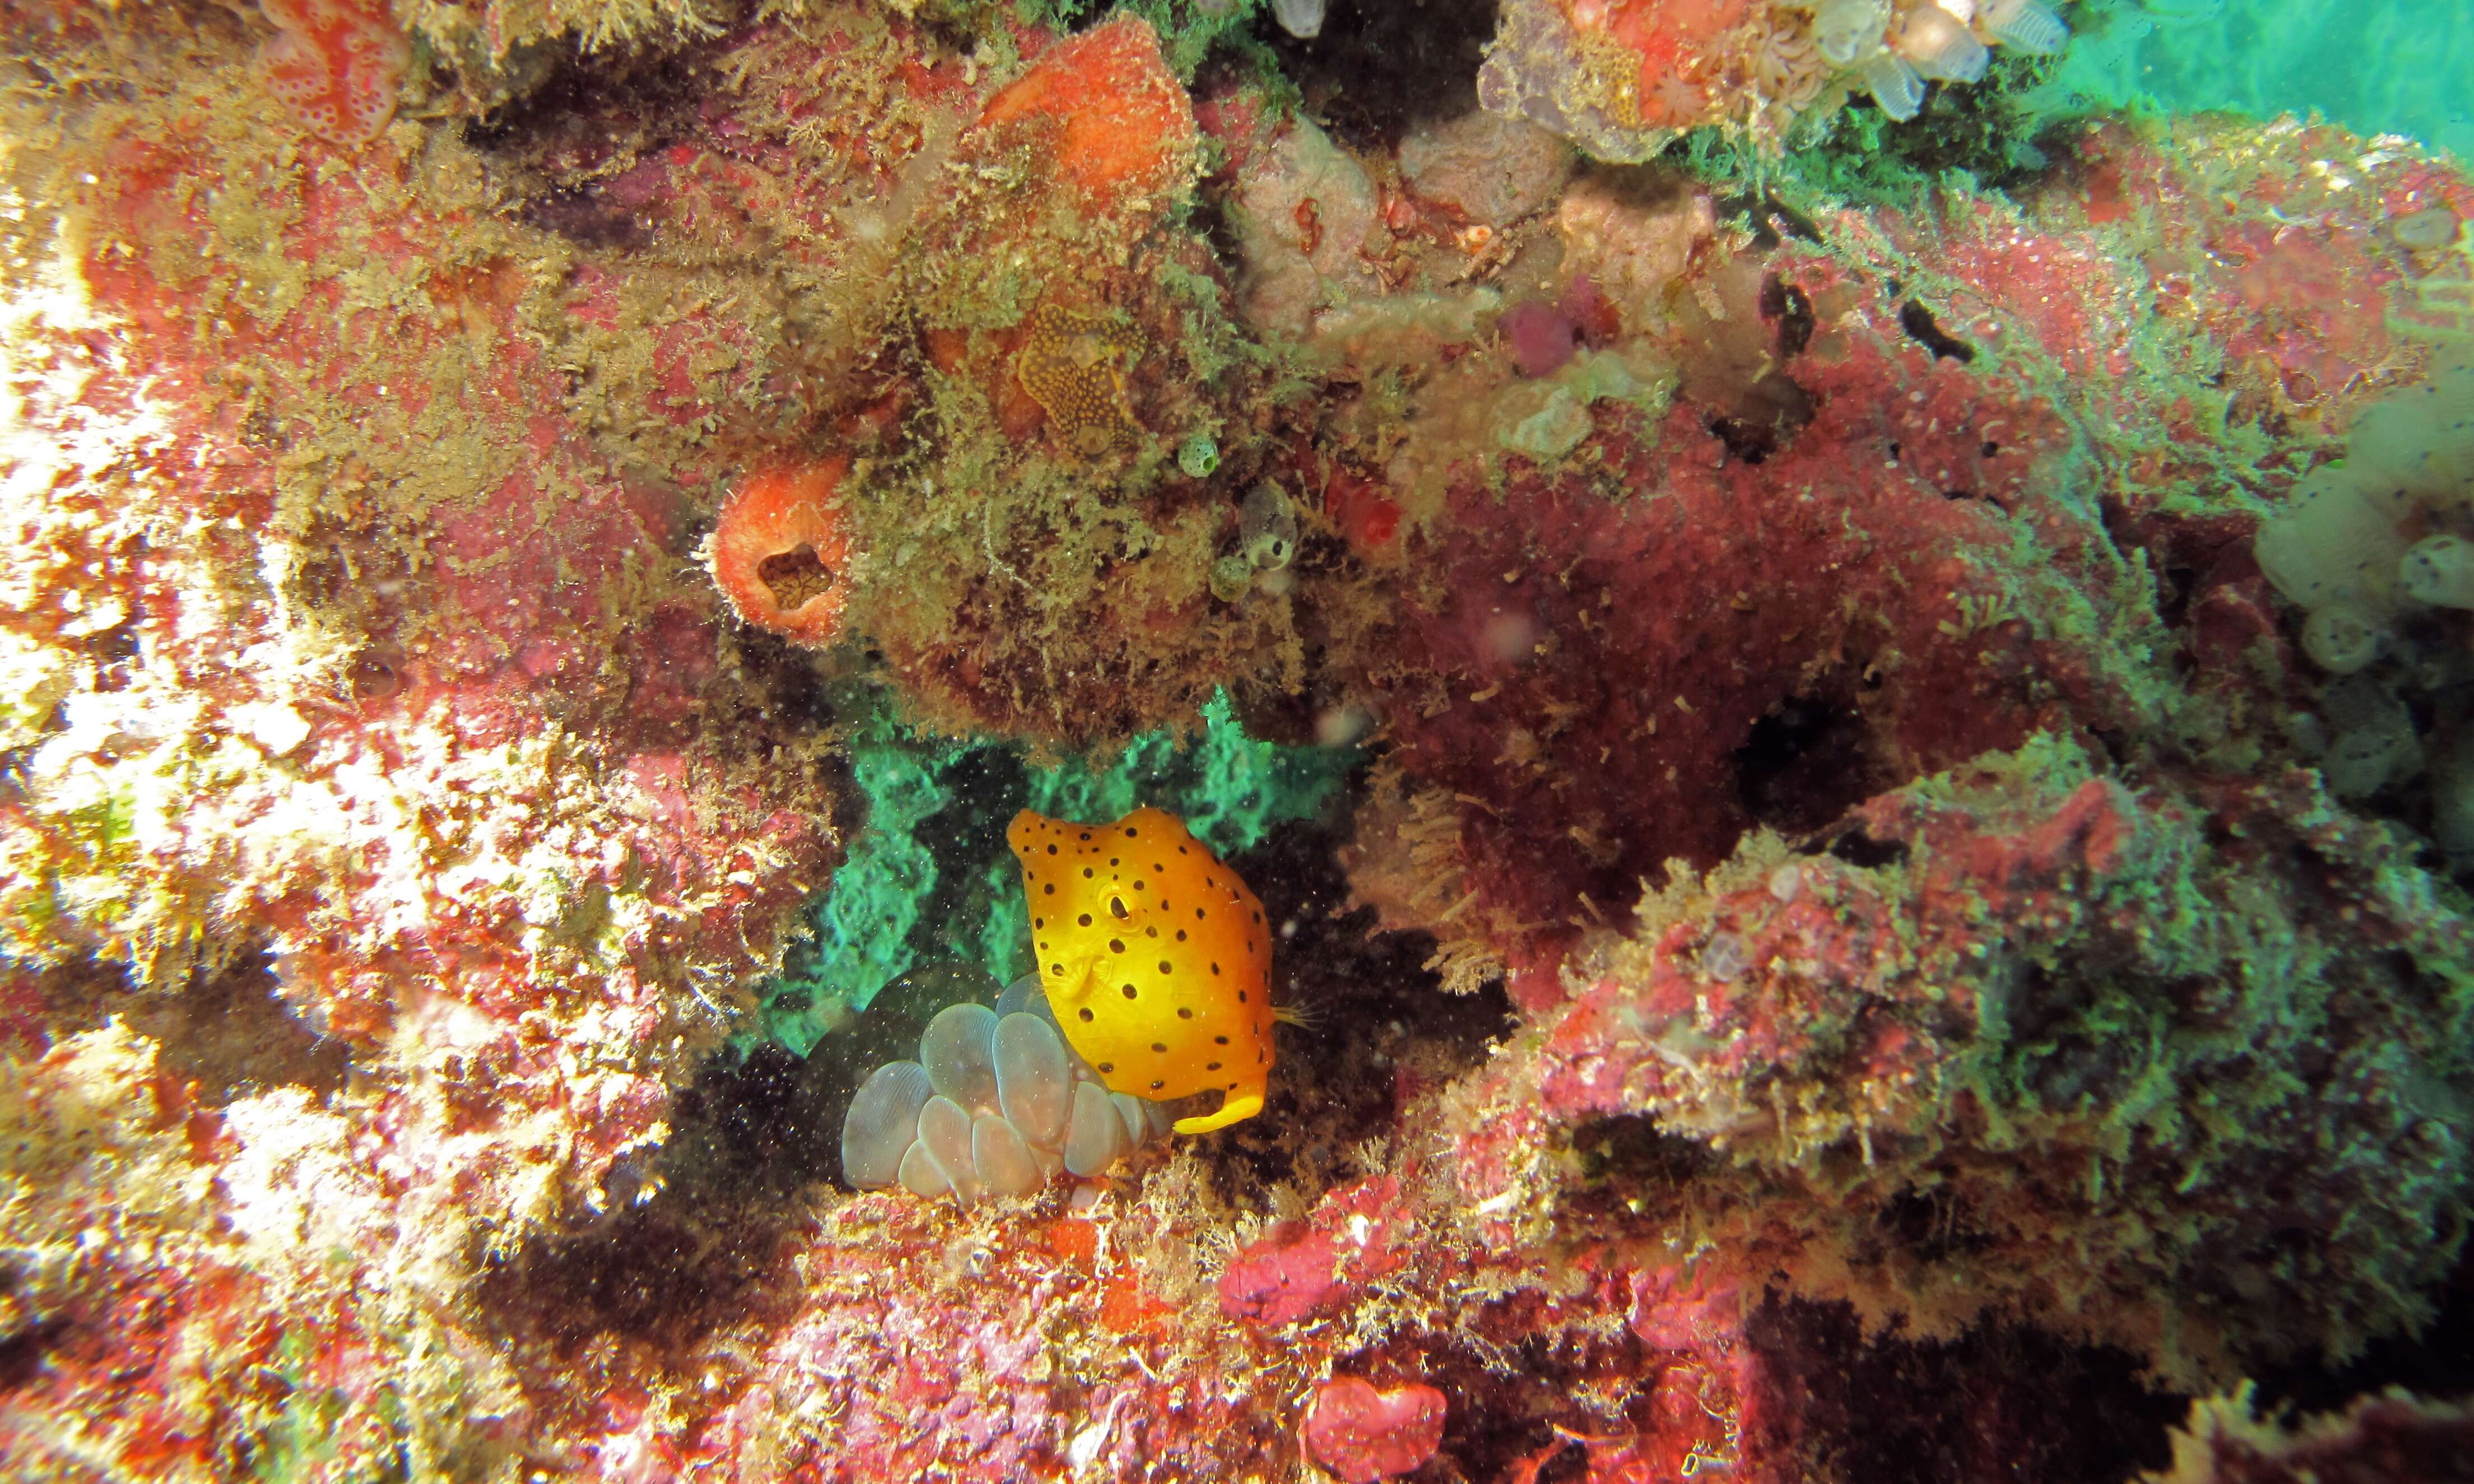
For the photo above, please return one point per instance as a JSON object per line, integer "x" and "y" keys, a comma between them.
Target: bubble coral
{"x": 780, "y": 552}
{"x": 996, "y": 1105}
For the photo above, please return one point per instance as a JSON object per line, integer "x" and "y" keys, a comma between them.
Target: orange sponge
{"x": 781, "y": 550}
{"x": 1121, "y": 122}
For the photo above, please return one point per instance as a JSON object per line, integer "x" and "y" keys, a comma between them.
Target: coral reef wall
{"x": 1834, "y": 934}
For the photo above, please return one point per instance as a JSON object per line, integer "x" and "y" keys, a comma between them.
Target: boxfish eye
{"x": 1117, "y": 905}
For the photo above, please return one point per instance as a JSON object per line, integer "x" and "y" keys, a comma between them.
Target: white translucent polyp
{"x": 1095, "y": 1136}
{"x": 959, "y": 1050}
{"x": 997, "y": 1104}
{"x": 1939, "y": 48}
{"x": 2025, "y": 26}
{"x": 1034, "y": 1077}
{"x": 1848, "y": 29}
{"x": 1894, "y": 84}
{"x": 883, "y": 1122}
{"x": 1002, "y": 1159}
{"x": 945, "y": 1134}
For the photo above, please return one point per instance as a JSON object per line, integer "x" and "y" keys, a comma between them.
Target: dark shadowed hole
{"x": 1922, "y": 328}
{"x": 1804, "y": 765}
{"x": 1998, "y": 1402}
{"x": 1787, "y": 306}
{"x": 1381, "y": 68}
{"x": 1858, "y": 849}
{"x": 794, "y": 577}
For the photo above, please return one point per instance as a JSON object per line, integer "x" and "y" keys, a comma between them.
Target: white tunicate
{"x": 1940, "y": 48}
{"x": 883, "y": 1121}
{"x": 1095, "y": 1136}
{"x": 1844, "y": 30}
{"x": 1003, "y": 1160}
{"x": 1787, "y": 883}
{"x": 2426, "y": 230}
{"x": 1299, "y": 18}
{"x": 2452, "y": 400}
{"x": 2023, "y": 26}
{"x": 2342, "y": 638}
{"x": 2401, "y": 441}
{"x": 2439, "y": 570}
{"x": 945, "y": 1134}
{"x": 1034, "y": 1077}
{"x": 1723, "y": 958}
{"x": 2372, "y": 742}
{"x": 2452, "y": 797}
{"x": 2336, "y": 540}
{"x": 2361, "y": 764}
{"x": 1895, "y": 86}
{"x": 959, "y": 1051}
{"x": 1266, "y": 527}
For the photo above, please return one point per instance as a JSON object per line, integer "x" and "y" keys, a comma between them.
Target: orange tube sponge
{"x": 781, "y": 550}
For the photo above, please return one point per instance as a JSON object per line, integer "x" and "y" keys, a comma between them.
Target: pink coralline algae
{"x": 1362, "y": 1433}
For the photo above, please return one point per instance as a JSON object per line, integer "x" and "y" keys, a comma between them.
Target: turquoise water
{"x": 2377, "y": 66}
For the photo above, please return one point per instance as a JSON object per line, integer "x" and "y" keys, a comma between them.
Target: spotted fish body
{"x": 1156, "y": 958}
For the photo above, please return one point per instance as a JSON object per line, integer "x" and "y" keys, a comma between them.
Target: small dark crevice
{"x": 1771, "y": 220}
{"x": 1862, "y": 851}
{"x": 23, "y": 1351}
{"x": 1791, "y": 310}
{"x": 1632, "y": 1154}
{"x": 2029, "y": 1407}
{"x": 1922, "y": 328}
{"x": 1804, "y": 765}
{"x": 2438, "y": 1361}
{"x": 1379, "y": 71}
{"x": 1748, "y": 441}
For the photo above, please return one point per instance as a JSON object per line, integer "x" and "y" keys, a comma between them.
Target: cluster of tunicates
{"x": 1894, "y": 49}
{"x": 1267, "y": 539}
{"x": 997, "y": 1104}
{"x": 2373, "y": 540}
{"x": 2378, "y": 550}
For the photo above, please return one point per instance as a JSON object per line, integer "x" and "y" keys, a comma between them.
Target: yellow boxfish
{"x": 1155, "y": 958}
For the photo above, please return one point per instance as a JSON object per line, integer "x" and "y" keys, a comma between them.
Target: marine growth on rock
{"x": 690, "y": 696}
